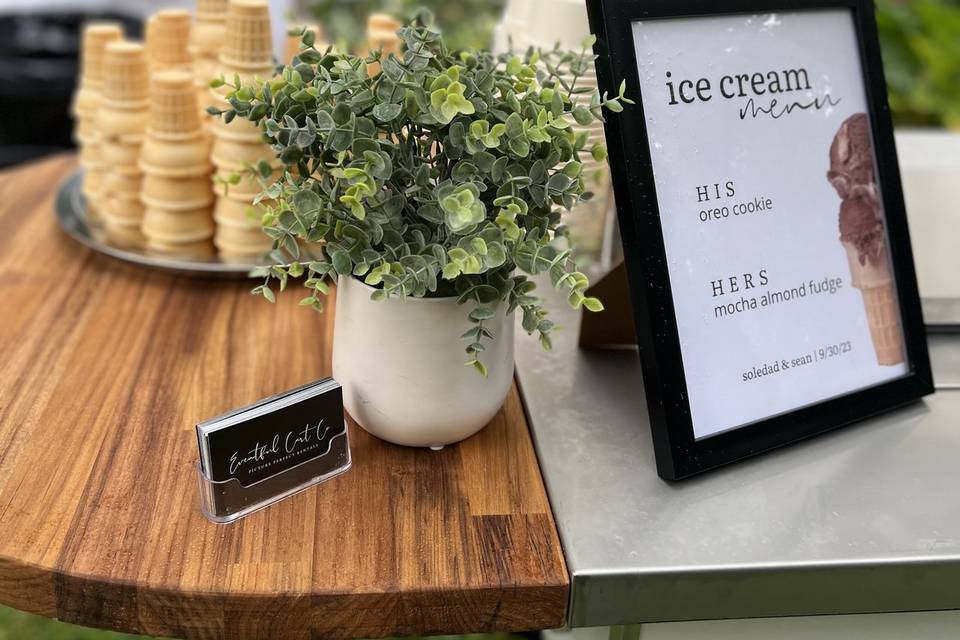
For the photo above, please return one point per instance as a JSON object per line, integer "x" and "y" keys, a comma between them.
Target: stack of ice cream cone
{"x": 174, "y": 159}
{"x": 167, "y": 39}
{"x": 86, "y": 101}
{"x": 206, "y": 40}
{"x": 862, "y": 233}
{"x": 382, "y": 35}
{"x": 121, "y": 119}
{"x": 238, "y": 145}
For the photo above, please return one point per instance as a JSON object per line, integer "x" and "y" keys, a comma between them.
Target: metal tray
{"x": 72, "y": 216}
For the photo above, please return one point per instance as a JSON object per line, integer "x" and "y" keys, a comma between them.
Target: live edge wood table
{"x": 105, "y": 370}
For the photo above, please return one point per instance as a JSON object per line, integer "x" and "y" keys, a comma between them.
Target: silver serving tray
{"x": 72, "y": 216}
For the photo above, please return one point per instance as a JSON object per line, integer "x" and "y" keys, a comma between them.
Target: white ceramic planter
{"x": 929, "y": 167}
{"x": 401, "y": 365}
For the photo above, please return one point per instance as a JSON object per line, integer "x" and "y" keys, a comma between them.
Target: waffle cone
{"x": 177, "y": 227}
{"x": 875, "y": 283}
{"x": 125, "y": 75}
{"x": 173, "y": 106}
{"x": 883, "y": 316}
{"x": 247, "y": 42}
{"x": 168, "y": 39}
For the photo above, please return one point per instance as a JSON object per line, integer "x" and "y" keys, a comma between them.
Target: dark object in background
{"x": 39, "y": 57}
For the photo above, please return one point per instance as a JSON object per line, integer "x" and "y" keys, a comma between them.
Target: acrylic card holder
{"x": 229, "y": 500}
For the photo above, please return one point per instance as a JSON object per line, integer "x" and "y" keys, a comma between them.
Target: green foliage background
{"x": 920, "y": 39}
{"x": 921, "y": 55}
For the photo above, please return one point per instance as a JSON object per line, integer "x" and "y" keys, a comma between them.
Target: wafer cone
{"x": 122, "y": 217}
{"x": 125, "y": 75}
{"x": 124, "y": 185}
{"x": 177, "y": 227}
{"x": 206, "y": 40}
{"x": 174, "y": 158}
{"x": 233, "y": 152}
{"x": 96, "y": 35}
{"x": 92, "y": 190}
{"x": 84, "y": 107}
{"x": 126, "y": 237}
{"x": 880, "y": 303}
{"x": 168, "y": 38}
{"x": 176, "y": 193}
{"x": 239, "y": 241}
{"x": 121, "y": 155}
{"x": 121, "y": 120}
{"x": 173, "y": 107}
{"x": 247, "y": 42}
{"x": 238, "y": 213}
{"x": 197, "y": 249}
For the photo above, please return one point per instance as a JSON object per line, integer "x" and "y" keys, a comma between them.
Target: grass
{"x": 17, "y": 625}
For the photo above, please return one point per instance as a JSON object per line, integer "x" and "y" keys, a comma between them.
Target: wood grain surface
{"x": 105, "y": 370}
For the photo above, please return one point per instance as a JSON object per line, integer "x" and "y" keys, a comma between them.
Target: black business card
{"x": 273, "y": 435}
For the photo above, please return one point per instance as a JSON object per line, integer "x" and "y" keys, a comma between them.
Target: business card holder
{"x": 225, "y": 501}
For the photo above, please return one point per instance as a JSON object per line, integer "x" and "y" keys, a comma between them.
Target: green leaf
{"x": 341, "y": 262}
{"x": 478, "y": 366}
{"x": 387, "y": 112}
{"x": 593, "y": 304}
{"x": 482, "y": 313}
{"x": 307, "y": 201}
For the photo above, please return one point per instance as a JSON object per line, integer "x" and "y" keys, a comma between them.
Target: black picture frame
{"x": 678, "y": 453}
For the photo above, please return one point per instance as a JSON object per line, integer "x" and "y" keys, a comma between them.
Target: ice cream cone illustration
{"x": 863, "y": 237}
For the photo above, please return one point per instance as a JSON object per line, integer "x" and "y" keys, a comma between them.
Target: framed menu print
{"x": 763, "y": 224}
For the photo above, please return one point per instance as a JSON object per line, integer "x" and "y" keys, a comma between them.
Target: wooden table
{"x": 105, "y": 370}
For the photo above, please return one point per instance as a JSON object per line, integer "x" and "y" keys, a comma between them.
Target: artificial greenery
{"x": 444, "y": 173}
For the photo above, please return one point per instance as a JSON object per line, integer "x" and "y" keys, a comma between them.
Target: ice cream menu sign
{"x": 756, "y": 142}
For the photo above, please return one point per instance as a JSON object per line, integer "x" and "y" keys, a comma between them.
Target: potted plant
{"x": 430, "y": 191}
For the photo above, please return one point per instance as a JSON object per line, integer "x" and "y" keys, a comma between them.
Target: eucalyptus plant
{"x": 442, "y": 174}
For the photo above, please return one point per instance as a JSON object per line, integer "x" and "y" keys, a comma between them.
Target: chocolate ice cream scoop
{"x": 861, "y": 226}
{"x": 851, "y": 159}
